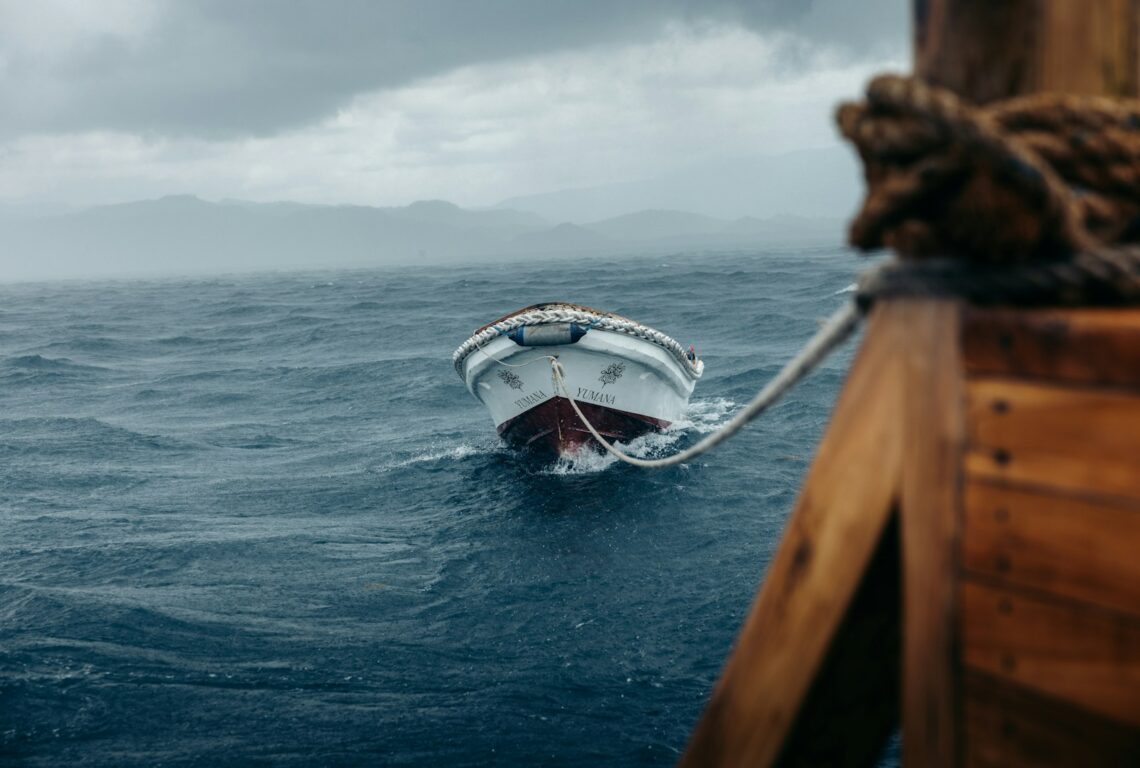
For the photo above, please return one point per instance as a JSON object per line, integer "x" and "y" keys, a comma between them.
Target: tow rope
{"x": 837, "y": 329}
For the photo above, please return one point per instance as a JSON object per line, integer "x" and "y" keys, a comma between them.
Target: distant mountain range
{"x": 184, "y": 234}
{"x": 810, "y": 183}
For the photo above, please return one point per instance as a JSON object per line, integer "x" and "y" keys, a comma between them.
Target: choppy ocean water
{"x": 258, "y": 519}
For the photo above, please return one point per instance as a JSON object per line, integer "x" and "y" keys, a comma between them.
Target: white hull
{"x": 647, "y": 382}
{"x": 627, "y": 385}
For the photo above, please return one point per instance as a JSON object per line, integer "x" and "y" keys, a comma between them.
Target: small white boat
{"x": 626, "y": 378}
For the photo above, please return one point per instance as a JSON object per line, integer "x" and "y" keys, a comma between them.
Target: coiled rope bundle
{"x": 1035, "y": 178}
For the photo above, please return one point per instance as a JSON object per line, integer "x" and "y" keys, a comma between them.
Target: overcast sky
{"x": 385, "y": 102}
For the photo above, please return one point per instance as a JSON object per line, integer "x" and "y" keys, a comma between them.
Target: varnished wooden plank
{"x": 1009, "y": 726}
{"x": 932, "y": 450}
{"x": 1069, "y": 438}
{"x": 1071, "y": 651}
{"x": 1084, "y": 346}
{"x": 830, "y": 537}
{"x": 853, "y": 704}
{"x": 1066, "y": 473}
{"x": 1078, "y": 548}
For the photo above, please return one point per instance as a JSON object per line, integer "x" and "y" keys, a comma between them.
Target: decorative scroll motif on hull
{"x": 511, "y": 379}
{"x": 611, "y": 373}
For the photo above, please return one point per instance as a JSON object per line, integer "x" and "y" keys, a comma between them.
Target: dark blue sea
{"x": 258, "y": 520}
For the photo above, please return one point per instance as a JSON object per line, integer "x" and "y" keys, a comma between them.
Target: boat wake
{"x": 705, "y": 416}
{"x": 702, "y": 417}
{"x": 437, "y": 455}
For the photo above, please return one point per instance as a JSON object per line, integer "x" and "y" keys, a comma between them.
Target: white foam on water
{"x": 452, "y": 453}
{"x": 849, "y": 289}
{"x": 584, "y": 461}
{"x": 702, "y": 416}
{"x": 706, "y": 416}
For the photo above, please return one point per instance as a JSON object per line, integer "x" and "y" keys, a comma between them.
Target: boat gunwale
{"x": 547, "y": 305}
{"x": 694, "y": 368}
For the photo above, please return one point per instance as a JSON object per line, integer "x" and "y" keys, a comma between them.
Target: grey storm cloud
{"x": 228, "y": 68}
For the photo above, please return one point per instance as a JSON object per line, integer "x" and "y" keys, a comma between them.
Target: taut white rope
{"x": 834, "y": 332}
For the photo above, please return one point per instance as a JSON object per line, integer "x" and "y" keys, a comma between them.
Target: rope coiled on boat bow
{"x": 572, "y": 315}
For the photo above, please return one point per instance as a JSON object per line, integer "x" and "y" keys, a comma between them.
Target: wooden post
{"x": 986, "y": 50}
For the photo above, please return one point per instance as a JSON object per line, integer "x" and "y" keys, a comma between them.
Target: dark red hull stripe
{"x": 553, "y": 427}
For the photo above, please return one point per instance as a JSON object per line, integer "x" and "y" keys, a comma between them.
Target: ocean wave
{"x": 262, "y": 442}
{"x": 458, "y": 452}
{"x": 240, "y": 310}
{"x": 102, "y": 344}
{"x": 215, "y": 399}
{"x": 48, "y": 364}
{"x": 60, "y": 435}
{"x": 184, "y": 340}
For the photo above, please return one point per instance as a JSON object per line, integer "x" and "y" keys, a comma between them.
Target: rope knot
{"x": 1035, "y": 178}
